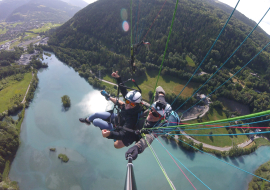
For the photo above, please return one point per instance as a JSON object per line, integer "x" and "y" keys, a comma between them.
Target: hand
{"x": 106, "y": 133}
{"x": 134, "y": 151}
{"x": 105, "y": 94}
{"x": 115, "y": 74}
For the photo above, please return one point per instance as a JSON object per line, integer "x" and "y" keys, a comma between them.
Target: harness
{"x": 116, "y": 106}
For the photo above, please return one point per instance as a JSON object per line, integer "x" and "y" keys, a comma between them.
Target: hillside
{"x": 94, "y": 39}
{"x": 197, "y": 24}
{"x": 43, "y": 10}
{"x": 8, "y": 6}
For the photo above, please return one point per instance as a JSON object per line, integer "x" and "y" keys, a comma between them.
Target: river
{"x": 94, "y": 162}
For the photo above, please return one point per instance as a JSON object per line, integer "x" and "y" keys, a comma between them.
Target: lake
{"x": 94, "y": 162}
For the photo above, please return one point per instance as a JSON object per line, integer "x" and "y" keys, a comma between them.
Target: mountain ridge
{"x": 43, "y": 10}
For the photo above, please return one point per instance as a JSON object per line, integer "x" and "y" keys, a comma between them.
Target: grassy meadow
{"x": 190, "y": 61}
{"x": 13, "y": 88}
{"x": 170, "y": 84}
{"x": 45, "y": 27}
{"x": 213, "y": 115}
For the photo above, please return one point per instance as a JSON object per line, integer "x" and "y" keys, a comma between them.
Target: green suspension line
{"x": 131, "y": 23}
{"x": 218, "y": 121}
{"x": 167, "y": 43}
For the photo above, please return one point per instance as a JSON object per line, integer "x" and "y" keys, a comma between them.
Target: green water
{"x": 94, "y": 162}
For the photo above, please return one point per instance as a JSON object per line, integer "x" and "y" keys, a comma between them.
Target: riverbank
{"x": 94, "y": 162}
{"x": 11, "y": 138}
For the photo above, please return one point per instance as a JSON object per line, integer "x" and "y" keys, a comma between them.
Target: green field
{"x": 262, "y": 142}
{"x": 15, "y": 87}
{"x": 15, "y": 44}
{"x": 45, "y": 27}
{"x": 190, "y": 61}
{"x": 216, "y": 114}
{"x": 3, "y": 42}
{"x": 15, "y": 24}
{"x": 170, "y": 84}
{"x": 29, "y": 36}
{"x": 3, "y": 30}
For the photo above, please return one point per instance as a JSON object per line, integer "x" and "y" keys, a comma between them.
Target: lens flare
{"x": 125, "y": 26}
{"x": 124, "y": 14}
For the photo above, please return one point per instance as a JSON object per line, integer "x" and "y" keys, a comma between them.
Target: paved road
{"x": 216, "y": 147}
{"x": 107, "y": 81}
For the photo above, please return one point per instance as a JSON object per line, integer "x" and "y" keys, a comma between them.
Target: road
{"x": 23, "y": 102}
{"x": 216, "y": 147}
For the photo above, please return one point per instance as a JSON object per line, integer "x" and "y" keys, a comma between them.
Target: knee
{"x": 95, "y": 122}
{"x": 118, "y": 145}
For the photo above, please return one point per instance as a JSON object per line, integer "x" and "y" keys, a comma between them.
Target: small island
{"x": 63, "y": 157}
{"x": 65, "y": 101}
{"x": 52, "y": 149}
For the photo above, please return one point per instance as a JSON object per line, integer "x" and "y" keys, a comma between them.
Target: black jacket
{"x": 128, "y": 119}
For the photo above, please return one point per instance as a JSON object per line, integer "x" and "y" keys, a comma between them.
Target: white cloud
{"x": 253, "y": 10}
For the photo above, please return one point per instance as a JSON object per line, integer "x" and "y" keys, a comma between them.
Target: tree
{"x": 65, "y": 101}
{"x": 200, "y": 146}
{"x": 30, "y": 49}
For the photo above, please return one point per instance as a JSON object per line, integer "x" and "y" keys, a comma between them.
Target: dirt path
{"x": 23, "y": 102}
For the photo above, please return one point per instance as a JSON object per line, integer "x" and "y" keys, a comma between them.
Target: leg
{"x": 159, "y": 90}
{"x": 101, "y": 115}
{"x": 119, "y": 144}
{"x": 102, "y": 124}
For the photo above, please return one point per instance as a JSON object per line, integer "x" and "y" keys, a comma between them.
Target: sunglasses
{"x": 132, "y": 104}
{"x": 155, "y": 114}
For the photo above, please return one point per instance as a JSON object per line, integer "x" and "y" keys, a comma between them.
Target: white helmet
{"x": 134, "y": 96}
{"x": 162, "y": 107}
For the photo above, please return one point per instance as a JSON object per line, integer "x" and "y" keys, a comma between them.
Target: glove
{"x": 134, "y": 151}
{"x": 105, "y": 94}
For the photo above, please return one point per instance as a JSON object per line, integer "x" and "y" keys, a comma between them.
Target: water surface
{"x": 94, "y": 162}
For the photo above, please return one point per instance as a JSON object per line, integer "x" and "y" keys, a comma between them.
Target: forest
{"x": 93, "y": 40}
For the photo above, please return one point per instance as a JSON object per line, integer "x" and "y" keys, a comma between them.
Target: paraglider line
{"x": 224, "y": 161}
{"x": 154, "y": 20}
{"x": 176, "y": 163}
{"x": 185, "y": 166}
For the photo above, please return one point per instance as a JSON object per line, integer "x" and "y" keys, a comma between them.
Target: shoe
{"x": 159, "y": 89}
{"x": 83, "y": 120}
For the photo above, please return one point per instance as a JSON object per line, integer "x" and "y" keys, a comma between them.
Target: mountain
{"x": 77, "y": 3}
{"x": 8, "y": 6}
{"x": 43, "y": 10}
{"x": 94, "y": 40}
{"x": 237, "y": 15}
{"x": 196, "y": 26}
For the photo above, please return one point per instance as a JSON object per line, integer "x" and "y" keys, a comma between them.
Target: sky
{"x": 253, "y": 9}
{"x": 90, "y": 1}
